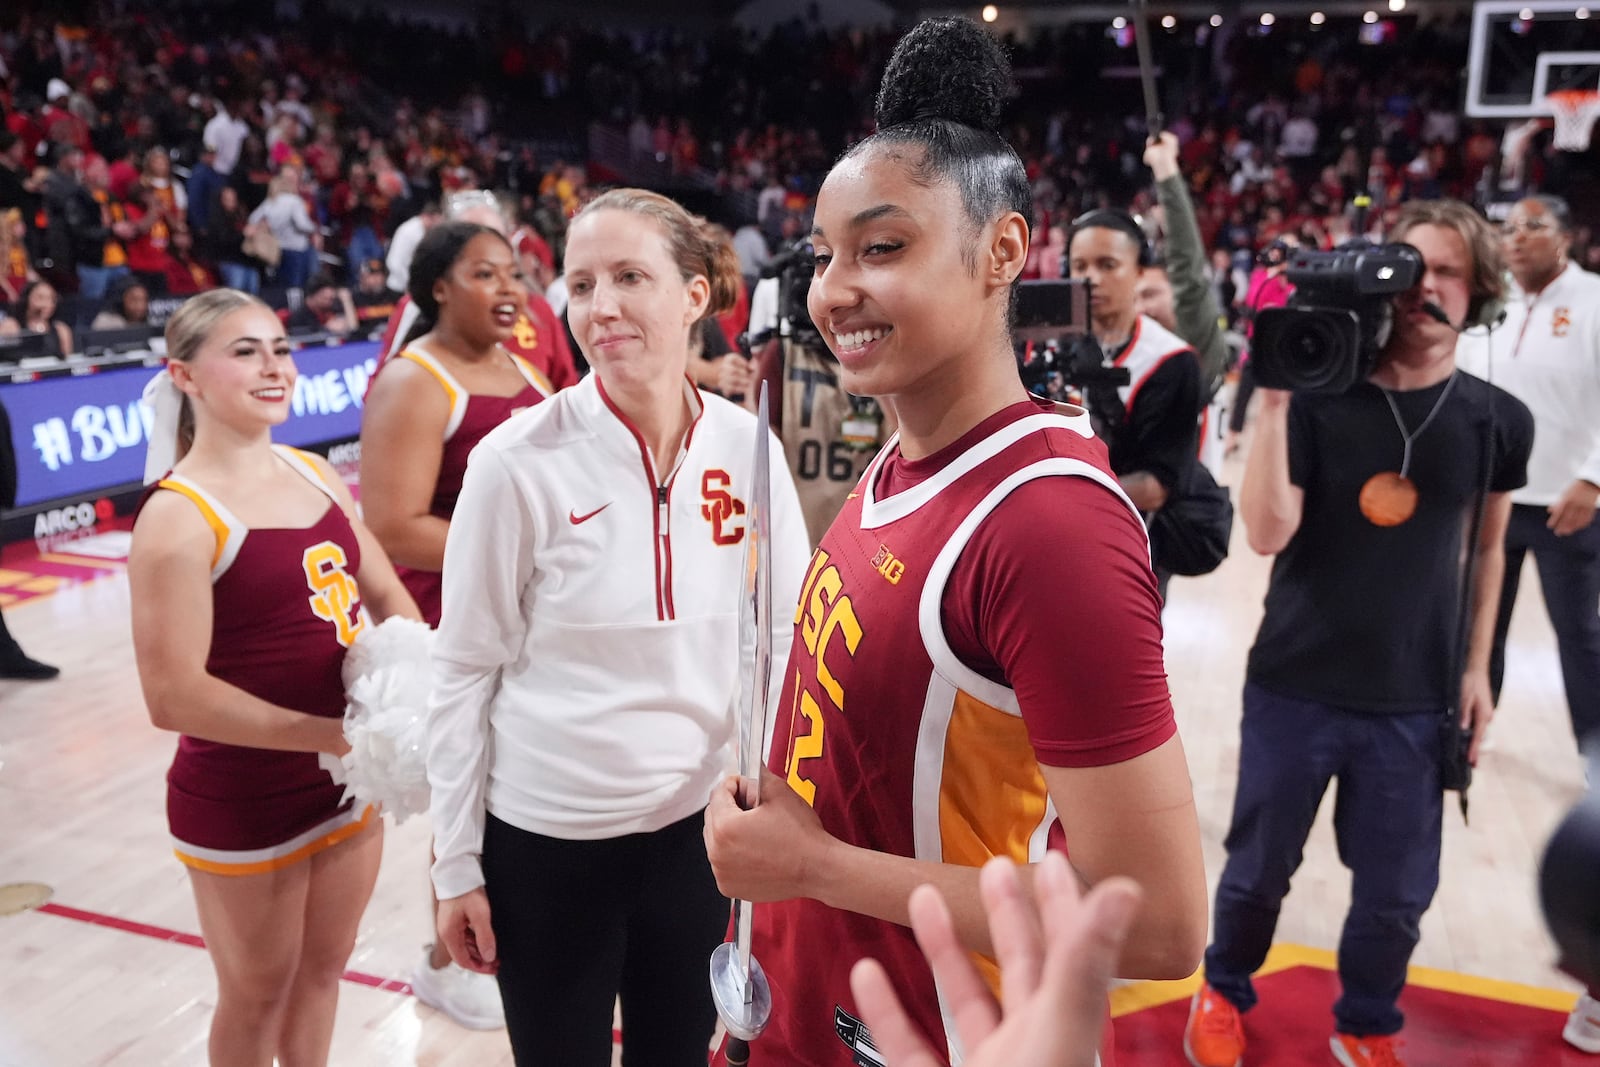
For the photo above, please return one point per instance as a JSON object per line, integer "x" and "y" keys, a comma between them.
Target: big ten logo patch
{"x": 335, "y": 597}
{"x": 1560, "y": 322}
{"x": 827, "y": 624}
{"x": 884, "y": 562}
{"x": 721, "y": 508}
{"x": 524, "y": 334}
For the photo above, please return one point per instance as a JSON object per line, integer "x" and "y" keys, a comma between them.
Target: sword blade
{"x": 755, "y": 614}
{"x": 755, "y": 634}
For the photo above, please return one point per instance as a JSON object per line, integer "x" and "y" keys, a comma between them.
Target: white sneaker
{"x": 1583, "y": 1025}
{"x": 471, "y": 999}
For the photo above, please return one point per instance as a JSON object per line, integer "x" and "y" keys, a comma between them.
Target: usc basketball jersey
{"x": 896, "y": 743}
{"x": 471, "y": 417}
{"x": 285, "y": 607}
{"x": 824, "y": 463}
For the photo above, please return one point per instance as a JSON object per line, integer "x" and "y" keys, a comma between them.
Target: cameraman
{"x": 829, "y": 437}
{"x": 1150, "y": 425}
{"x": 1352, "y": 675}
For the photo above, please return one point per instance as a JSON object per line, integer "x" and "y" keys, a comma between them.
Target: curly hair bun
{"x": 945, "y": 68}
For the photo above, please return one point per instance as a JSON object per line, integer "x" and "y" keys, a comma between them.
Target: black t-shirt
{"x": 1161, "y": 433}
{"x": 1362, "y": 616}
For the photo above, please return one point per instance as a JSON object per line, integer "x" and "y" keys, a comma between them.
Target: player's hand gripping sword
{"x": 743, "y": 998}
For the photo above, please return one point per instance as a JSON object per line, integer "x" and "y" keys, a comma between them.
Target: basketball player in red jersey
{"x": 452, "y": 382}
{"x": 537, "y": 336}
{"x": 250, "y": 576}
{"x": 977, "y": 666}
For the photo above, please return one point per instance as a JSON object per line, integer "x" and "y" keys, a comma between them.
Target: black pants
{"x": 577, "y": 923}
{"x": 1569, "y": 572}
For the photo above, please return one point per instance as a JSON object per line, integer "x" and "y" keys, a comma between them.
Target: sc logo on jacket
{"x": 721, "y": 508}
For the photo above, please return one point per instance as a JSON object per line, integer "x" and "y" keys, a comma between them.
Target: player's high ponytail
{"x": 943, "y": 92}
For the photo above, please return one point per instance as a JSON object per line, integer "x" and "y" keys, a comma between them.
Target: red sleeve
{"x": 1054, "y": 597}
{"x": 561, "y": 370}
{"x": 391, "y": 332}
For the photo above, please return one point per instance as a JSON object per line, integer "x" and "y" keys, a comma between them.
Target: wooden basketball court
{"x": 108, "y": 971}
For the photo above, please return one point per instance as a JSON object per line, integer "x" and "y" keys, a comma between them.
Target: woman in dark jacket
{"x": 223, "y": 242}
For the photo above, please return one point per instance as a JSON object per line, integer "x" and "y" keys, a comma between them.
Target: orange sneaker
{"x": 1373, "y": 1051}
{"x": 1215, "y": 1034}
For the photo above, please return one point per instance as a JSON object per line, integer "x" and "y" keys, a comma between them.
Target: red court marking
{"x": 161, "y": 933}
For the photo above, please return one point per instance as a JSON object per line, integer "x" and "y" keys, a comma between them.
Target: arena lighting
{"x": 1370, "y": 17}
{"x": 1397, "y": 5}
{"x": 1216, "y": 20}
{"x": 1119, "y": 23}
{"x": 990, "y": 12}
{"x": 1268, "y": 18}
{"x": 1169, "y": 22}
{"x": 1318, "y": 18}
{"x": 1581, "y": 13}
{"x": 1526, "y": 14}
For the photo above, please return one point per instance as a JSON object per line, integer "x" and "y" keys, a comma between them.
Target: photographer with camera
{"x": 1150, "y": 423}
{"x": 1359, "y": 672}
{"x": 828, "y": 435}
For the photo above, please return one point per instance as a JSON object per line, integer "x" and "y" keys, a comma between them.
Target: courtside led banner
{"x": 79, "y": 434}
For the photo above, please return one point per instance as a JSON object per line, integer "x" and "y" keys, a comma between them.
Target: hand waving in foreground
{"x": 1056, "y": 960}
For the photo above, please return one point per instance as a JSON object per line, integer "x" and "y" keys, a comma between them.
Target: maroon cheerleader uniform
{"x": 471, "y": 417}
{"x": 285, "y": 607}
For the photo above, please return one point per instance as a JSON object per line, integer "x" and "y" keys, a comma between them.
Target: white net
{"x": 1575, "y": 111}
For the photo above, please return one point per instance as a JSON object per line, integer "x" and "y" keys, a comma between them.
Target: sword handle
{"x": 738, "y": 1052}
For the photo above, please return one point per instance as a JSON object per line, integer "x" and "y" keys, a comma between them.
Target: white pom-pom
{"x": 388, "y": 674}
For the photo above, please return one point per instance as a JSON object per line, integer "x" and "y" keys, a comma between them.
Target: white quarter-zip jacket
{"x": 1547, "y": 355}
{"x": 587, "y": 664}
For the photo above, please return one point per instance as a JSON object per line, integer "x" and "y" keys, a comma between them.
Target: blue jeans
{"x": 94, "y": 281}
{"x": 364, "y": 245}
{"x": 1569, "y": 574}
{"x": 1387, "y": 820}
{"x": 240, "y": 277}
{"x": 296, "y": 267}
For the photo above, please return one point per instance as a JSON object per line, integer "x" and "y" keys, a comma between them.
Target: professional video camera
{"x": 794, "y": 268}
{"x": 1056, "y": 354}
{"x": 1329, "y": 335}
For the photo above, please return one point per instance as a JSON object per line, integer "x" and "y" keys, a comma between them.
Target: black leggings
{"x": 577, "y": 923}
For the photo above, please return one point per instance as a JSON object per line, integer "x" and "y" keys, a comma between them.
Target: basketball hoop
{"x": 1575, "y": 111}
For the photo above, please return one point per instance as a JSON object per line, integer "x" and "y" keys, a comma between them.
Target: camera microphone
{"x": 1437, "y": 313}
{"x": 1434, "y": 311}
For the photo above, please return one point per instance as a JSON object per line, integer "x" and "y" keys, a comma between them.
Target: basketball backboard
{"x": 1523, "y": 50}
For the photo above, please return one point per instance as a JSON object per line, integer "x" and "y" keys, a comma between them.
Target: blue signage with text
{"x": 76, "y": 435}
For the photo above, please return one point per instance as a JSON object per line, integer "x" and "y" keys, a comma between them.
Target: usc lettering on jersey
{"x": 895, "y": 743}
{"x": 285, "y": 607}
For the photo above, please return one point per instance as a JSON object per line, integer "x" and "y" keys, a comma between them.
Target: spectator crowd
{"x": 229, "y": 147}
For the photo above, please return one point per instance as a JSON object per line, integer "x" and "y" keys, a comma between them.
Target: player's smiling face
{"x": 896, "y": 293}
